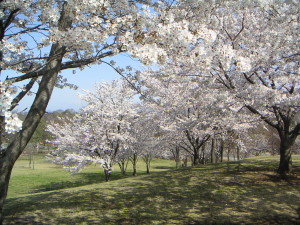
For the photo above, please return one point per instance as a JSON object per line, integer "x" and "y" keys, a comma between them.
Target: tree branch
{"x": 253, "y": 110}
{"x": 22, "y": 94}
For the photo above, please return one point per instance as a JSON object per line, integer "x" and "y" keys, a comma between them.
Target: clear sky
{"x": 67, "y": 98}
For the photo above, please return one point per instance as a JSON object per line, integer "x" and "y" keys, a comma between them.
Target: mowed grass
{"x": 245, "y": 192}
{"x": 45, "y": 176}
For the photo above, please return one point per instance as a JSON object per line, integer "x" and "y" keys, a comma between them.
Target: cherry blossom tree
{"x": 100, "y": 133}
{"x": 187, "y": 110}
{"x": 246, "y": 50}
{"x": 38, "y": 40}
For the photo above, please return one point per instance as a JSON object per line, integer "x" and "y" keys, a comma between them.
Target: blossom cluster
{"x": 11, "y": 121}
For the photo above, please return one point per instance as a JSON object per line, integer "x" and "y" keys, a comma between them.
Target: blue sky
{"x": 67, "y": 98}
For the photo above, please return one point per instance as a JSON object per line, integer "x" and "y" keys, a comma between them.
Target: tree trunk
{"x": 17, "y": 146}
{"x": 196, "y": 157}
{"x": 222, "y": 149}
{"x": 287, "y": 140}
{"x": 203, "y": 154}
{"x": 285, "y": 164}
{"x": 37, "y": 110}
{"x": 134, "y": 162}
{"x": 1, "y": 135}
{"x": 5, "y": 172}
{"x": 134, "y": 170}
{"x": 228, "y": 153}
{"x": 177, "y": 162}
{"x": 212, "y": 152}
{"x": 107, "y": 173}
{"x": 184, "y": 162}
{"x": 122, "y": 167}
{"x": 176, "y": 155}
{"x": 238, "y": 153}
{"x": 148, "y": 167}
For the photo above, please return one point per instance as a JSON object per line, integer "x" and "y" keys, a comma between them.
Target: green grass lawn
{"x": 47, "y": 176}
{"x": 246, "y": 192}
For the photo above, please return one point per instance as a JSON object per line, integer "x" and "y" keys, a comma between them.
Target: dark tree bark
{"x": 222, "y": 149}
{"x": 148, "y": 168}
{"x": 212, "y": 152}
{"x": 228, "y": 154}
{"x": 286, "y": 142}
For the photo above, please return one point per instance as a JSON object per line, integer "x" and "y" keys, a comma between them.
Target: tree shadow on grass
{"x": 82, "y": 179}
{"x": 163, "y": 167}
{"x": 189, "y": 196}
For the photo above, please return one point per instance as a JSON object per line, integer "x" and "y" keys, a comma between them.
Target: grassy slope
{"x": 229, "y": 193}
{"x": 46, "y": 176}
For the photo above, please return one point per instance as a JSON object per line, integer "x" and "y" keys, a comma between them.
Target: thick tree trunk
{"x": 14, "y": 150}
{"x": 285, "y": 164}
{"x": 5, "y": 172}
{"x": 37, "y": 110}
{"x": 196, "y": 157}
{"x": 287, "y": 140}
